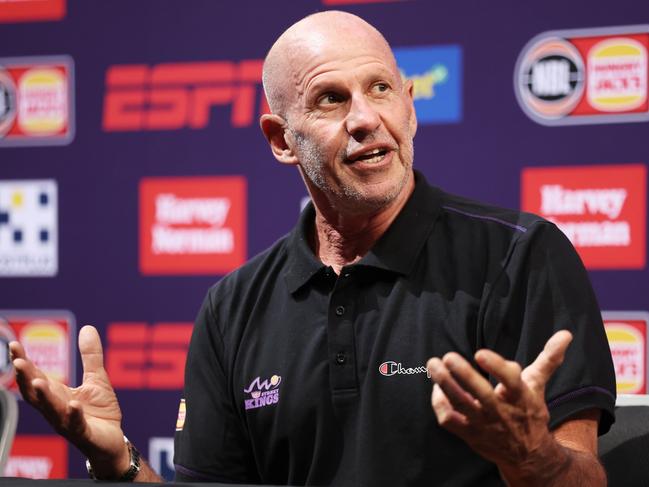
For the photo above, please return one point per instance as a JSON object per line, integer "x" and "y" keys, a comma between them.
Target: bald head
{"x": 304, "y": 41}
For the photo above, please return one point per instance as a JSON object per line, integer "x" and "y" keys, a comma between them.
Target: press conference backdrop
{"x": 133, "y": 174}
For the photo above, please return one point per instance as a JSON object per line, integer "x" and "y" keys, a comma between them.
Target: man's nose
{"x": 362, "y": 118}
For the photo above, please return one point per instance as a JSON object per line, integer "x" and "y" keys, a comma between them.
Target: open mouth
{"x": 371, "y": 157}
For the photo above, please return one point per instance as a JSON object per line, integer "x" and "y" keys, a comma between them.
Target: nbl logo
{"x": 585, "y": 76}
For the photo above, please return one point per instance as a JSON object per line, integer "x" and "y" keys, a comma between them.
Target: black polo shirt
{"x": 298, "y": 376}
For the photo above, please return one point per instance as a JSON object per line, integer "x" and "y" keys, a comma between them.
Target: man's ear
{"x": 273, "y": 127}
{"x": 410, "y": 93}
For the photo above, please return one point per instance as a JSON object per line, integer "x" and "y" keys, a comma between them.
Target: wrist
{"x": 539, "y": 466}
{"x": 124, "y": 467}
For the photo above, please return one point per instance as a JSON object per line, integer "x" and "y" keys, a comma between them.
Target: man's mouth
{"x": 370, "y": 157}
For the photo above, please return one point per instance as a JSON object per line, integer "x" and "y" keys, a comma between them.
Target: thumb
{"x": 92, "y": 355}
{"x": 537, "y": 374}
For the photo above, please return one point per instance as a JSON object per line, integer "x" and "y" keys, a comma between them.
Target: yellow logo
{"x": 180, "y": 422}
{"x": 617, "y": 75}
{"x": 628, "y": 351}
{"x": 42, "y": 101}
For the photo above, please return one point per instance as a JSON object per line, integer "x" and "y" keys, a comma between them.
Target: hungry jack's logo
{"x": 601, "y": 209}
{"x": 36, "y": 101}
{"x": 627, "y": 337}
{"x": 585, "y": 76}
{"x": 262, "y": 393}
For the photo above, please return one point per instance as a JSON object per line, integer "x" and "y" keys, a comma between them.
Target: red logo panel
{"x": 48, "y": 338}
{"x": 192, "y": 225}
{"x": 172, "y": 96}
{"x": 627, "y": 337}
{"x": 38, "y": 457}
{"x": 28, "y": 10}
{"x": 602, "y": 210}
{"x": 36, "y": 101}
{"x": 140, "y": 356}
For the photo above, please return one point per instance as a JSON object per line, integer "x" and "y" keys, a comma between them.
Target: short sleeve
{"x": 544, "y": 288}
{"x": 210, "y": 444}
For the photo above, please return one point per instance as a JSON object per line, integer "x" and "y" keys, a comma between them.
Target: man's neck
{"x": 341, "y": 239}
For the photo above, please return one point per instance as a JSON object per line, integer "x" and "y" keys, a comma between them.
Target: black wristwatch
{"x": 132, "y": 471}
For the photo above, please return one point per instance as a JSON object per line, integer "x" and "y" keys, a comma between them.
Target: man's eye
{"x": 381, "y": 87}
{"x": 329, "y": 99}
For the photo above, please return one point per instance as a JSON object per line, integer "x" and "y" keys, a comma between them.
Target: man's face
{"x": 352, "y": 124}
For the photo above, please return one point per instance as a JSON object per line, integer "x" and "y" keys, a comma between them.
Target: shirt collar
{"x": 396, "y": 251}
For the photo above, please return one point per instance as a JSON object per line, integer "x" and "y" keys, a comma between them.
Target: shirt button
{"x": 340, "y": 310}
{"x": 341, "y": 358}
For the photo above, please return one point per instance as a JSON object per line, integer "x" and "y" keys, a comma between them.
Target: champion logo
{"x": 391, "y": 368}
{"x": 262, "y": 393}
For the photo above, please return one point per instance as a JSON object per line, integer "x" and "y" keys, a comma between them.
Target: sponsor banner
{"x": 192, "y": 225}
{"x": 173, "y": 96}
{"x": 436, "y": 73}
{"x": 143, "y": 356}
{"x": 161, "y": 457}
{"x": 602, "y": 210}
{"x": 28, "y": 228}
{"x": 38, "y": 457}
{"x": 627, "y": 336}
{"x": 36, "y": 101}
{"x": 48, "y": 338}
{"x": 31, "y": 10}
{"x": 585, "y": 76}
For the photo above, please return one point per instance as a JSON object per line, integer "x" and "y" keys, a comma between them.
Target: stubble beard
{"x": 313, "y": 161}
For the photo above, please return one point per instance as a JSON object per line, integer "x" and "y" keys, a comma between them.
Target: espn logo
{"x": 142, "y": 356}
{"x": 172, "y": 96}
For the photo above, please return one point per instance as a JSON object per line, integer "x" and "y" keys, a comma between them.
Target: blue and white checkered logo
{"x": 28, "y": 228}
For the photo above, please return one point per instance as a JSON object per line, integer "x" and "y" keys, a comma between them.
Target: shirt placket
{"x": 340, "y": 335}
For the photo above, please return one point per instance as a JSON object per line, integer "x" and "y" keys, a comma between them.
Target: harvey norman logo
{"x": 192, "y": 225}
{"x": 601, "y": 209}
{"x": 585, "y": 76}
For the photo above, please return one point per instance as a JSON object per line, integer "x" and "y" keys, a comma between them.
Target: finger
{"x": 506, "y": 372}
{"x": 457, "y": 397}
{"x": 53, "y": 407}
{"x": 447, "y": 417}
{"x": 26, "y": 372}
{"x": 16, "y": 350}
{"x": 92, "y": 355}
{"x": 470, "y": 379}
{"x": 537, "y": 374}
{"x": 77, "y": 421}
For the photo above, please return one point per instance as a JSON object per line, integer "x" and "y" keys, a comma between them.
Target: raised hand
{"x": 506, "y": 423}
{"x": 89, "y": 415}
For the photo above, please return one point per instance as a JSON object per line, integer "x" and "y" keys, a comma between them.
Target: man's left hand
{"x": 506, "y": 424}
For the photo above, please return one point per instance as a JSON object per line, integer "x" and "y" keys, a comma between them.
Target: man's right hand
{"x": 89, "y": 415}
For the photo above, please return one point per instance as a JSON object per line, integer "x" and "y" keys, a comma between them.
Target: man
{"x": 307, "y": 364}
